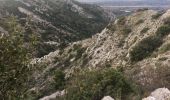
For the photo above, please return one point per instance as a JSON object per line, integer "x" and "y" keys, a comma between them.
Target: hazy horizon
{"x": 117, "y": 0}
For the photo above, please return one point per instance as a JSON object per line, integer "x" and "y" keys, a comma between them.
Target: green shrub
{"x": 156, "y": 16}
{"x": 144, "y": 30}
{"x": 76, "y": 47}
{"x": 59, "y": 80}
{"x": 163, "y": 30}
{"x": 167, "y": 21}
{"x": 165, "y": 48}
{"x": 162, "y": 58}
{"x": 79, "y": 51}
{"x": 140, "y": 22}
{"x": 126, "y": 30}
{"x": 93, "y": 85}
{"x": 15, "y": 57}
{"x": 112, "y": 27}
{"x": 145, "y": 47}
{"x": 121, "y": 20}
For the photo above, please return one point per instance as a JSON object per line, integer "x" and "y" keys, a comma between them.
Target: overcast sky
{"x": 104, "y": 0}
{"x": 117, "y": 0}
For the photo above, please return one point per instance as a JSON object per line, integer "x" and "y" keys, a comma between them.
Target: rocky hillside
{"x": 56, "y": 22}
{"x": 138, "y": 44}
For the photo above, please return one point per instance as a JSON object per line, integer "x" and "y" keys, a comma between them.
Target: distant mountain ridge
{"x": 134, "y": 3}
{"x": 57, "y": 22}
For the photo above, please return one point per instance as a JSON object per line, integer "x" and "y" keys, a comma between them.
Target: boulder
{"x": 107, "y": 98}
{"x": 159, "y": 94}
{"x": 54, "y": 95}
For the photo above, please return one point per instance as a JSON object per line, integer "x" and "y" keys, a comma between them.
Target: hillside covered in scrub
{"x": 65, "y": 50}
{"x": 138, "y": 45}
{"x": 56, "y": 22}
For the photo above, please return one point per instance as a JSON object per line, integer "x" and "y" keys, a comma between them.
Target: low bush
{"x": 165, "y": 48}
{"x": 121, "y": 21}
{"x": 145, "y": 47}
{"x": 112, "y": 27}
{"x": 15, "y": 57}
{"x": 163, "y": 30}
{"x": 140, "y": 22}
{"x": 59, "y": 80}
{"x": 93, "y": 85}
{"x": 167, "y": 21}
{"x": 80, "y": 52}
{"x": 157, "y": 15}
{"x": 126, "y": 30}
{"x": 162, "y": 58}
{"x": 144, "y": 30}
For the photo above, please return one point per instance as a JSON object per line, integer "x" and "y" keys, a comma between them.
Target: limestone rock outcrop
{"x": 159, "y": 94}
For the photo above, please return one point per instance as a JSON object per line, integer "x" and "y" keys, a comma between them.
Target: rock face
{"x": 53, "y": 96}
{"x": 107, "y": 98}
{"x": 159, "y": 94}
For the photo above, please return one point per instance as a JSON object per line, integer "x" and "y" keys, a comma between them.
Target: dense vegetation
{"x": 126, "y": 30}
{"x": 93, "y": 85}
{"x": 144, "y": 30}
{"x": 163, "y": 30}
{"x": 59, "y": 80}
{"x": 158, "y": 15}
{"x": 146, "y": 47}
{"x": 164, "y": 48}
{"x": 139, "y": 21}
{"x": 121, "y": 20}
{"x": 112, "y": 27}
{"x": 67, "y": 23}
{"x": 14, "y": 61}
